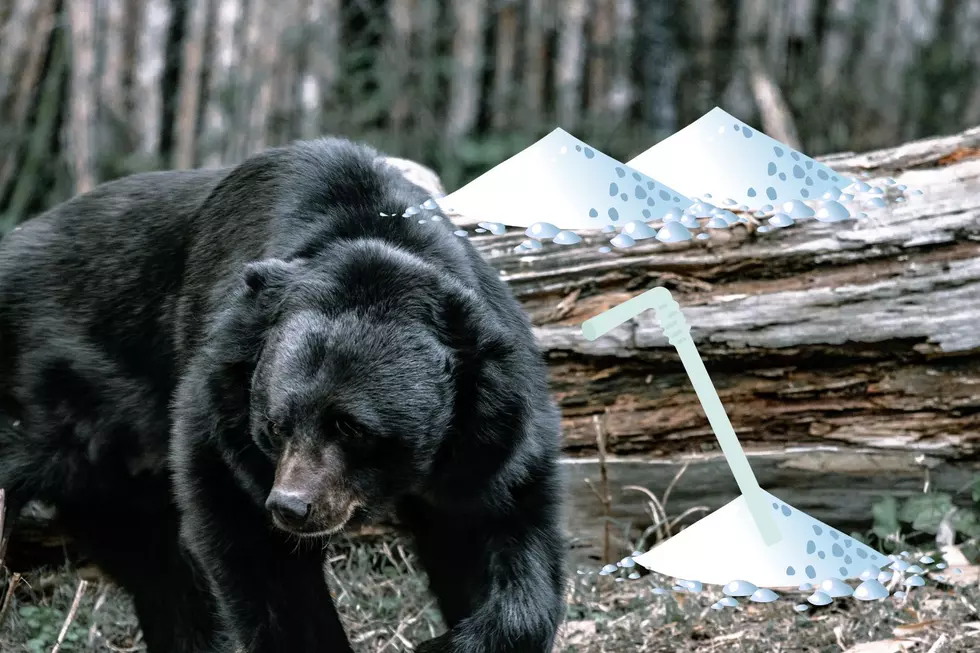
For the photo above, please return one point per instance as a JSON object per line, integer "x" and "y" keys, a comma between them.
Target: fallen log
{"x": 847, "y": 355}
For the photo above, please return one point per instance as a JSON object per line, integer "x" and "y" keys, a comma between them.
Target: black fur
{"x": 263, "y": 326}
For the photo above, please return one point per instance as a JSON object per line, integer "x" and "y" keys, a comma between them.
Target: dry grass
{"x": 382, "y": 596}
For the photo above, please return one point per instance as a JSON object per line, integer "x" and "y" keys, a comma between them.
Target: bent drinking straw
{"x": 678, "y": 333}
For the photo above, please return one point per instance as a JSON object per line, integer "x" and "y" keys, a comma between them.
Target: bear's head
{"x": 365, "y": 372}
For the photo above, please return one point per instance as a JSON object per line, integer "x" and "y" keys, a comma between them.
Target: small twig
{"x": 667, "y": 523}
{"x": 673, "y": 482}
{"x": 93, "y": 630}
{"x": 940, "y": 644}
{"x": 79, "y": 593}
{"x": 595, "y": 490}
{"x": 661, "y": 522}
{"x": 690, "y": 511}
{"x": 342, "y": 587}
{"x": 401, "y": 626}
{"x": 600, "y": 434}
{"x": 657, "y": 510}
{"x": 3, "y": 524}
{"x": 408, "y": 562}
{"x": 363, "y": 637}
{"x": 386, "y": 550}
{"x": 9, "y": 596}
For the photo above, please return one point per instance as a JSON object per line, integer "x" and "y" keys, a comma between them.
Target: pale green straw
{"x": 678, "y": 333}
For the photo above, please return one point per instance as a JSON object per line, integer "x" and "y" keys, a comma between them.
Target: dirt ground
{"x": 382, "y": 598}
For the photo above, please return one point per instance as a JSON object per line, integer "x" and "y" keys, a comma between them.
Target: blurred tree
{"x": 94, "y": 89}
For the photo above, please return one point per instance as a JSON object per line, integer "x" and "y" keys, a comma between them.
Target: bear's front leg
{"x": 271, "y": 590}
{"x": 497, "y": 575}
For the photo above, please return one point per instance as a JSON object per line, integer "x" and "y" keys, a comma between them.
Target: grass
{"x": 381, "y": 594}
{"x": 382, "y": 597}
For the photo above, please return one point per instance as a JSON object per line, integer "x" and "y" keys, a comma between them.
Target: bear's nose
{"x": 289, "y": 508}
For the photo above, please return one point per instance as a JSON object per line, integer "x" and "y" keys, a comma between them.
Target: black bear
{"x": 208, "y": 372}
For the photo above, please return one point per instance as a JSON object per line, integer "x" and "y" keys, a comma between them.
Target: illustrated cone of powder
{"x": 756, "y": 538}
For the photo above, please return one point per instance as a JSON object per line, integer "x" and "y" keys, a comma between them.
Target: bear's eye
{"x": 274, "y": 431}
{"x": 268, "y": 438}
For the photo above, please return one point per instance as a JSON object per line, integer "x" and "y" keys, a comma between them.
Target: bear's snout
{"x": 311, "y": 495}
{"x": 288, "y": 508}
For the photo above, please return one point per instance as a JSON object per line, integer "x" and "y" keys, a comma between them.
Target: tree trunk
{"x": 468, "y": 62}
{"x": 535, "y": 61}
{"x": 24, "y": 42}
{"x": 190, "y": 84}
{"x": 217, "y": 117}
{"x": 80, "y": 130}
{"x": 571, "y": 54}
{"x": 151, "y": 61}
{"x": 847, "y": 355}
{"x": 508, "y": 34}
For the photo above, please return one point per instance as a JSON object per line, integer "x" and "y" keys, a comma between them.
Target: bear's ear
{"x": 267, "y": 273}
{"x": 468, "y": 326}
{"x": 491, "y": 396}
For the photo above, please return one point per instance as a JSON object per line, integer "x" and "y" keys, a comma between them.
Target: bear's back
{"x": 100, "y": 270}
